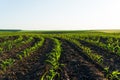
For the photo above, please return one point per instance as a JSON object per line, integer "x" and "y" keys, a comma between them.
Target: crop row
{"x": 28, "y": 51}
{"x": 25, "y": 53}
{"x": 53, "y": 62}
{"x": 111, "y": 45}
{"x": 8, "y": 45}
{"x": 52, "y": 59}
{"x": 95, "y": 58}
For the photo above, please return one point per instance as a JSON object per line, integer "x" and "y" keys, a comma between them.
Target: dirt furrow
{"x": 32, "y": 67}
{"x": 2, "y": 39}
{"x": 13, "y": 52}
{"x": 110, "y": 60}
{"x": 77, "y": 66}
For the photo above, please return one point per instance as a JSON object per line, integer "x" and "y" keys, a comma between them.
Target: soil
{"x": 2, "y": 39}
{"x": 110, "y": 60}
{"x": 12, "y": 53}
{"x": 77, "y": 65}
{"x": 30, "y": 68}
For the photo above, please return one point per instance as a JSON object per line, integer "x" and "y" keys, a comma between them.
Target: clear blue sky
{"x": 59, "y": 14}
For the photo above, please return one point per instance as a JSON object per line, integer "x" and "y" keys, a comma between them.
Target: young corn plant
{"x": 53, "y": 61}
{"x": 24, "y": 42}
{"x": 6, "y": 63}
{"x": 1, "y": 50}
{"x": 8, "y": 45}
{"x": 28, "y": 51}
{"x": 114, "y": 75}
{"x": 87, "y": 51}
{"x": 111, "y": 45}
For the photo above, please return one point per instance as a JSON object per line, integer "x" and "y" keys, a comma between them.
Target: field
{"x": 59, "y": 55}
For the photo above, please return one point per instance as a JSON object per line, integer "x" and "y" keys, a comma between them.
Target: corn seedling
{"x": 114, "y": 75}
{"x": 53, "y": 61}
{"x": 6, "y": 63}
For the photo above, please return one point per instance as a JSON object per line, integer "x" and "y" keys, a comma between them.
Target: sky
{"x": 59, "y": 14}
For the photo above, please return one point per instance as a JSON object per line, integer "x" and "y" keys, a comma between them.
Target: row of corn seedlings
{"x": 110, "y": 45}
{"x": 6, "y": 38}
{"x": 26, "y": 52}
{"x": 112, "y": 75}
{"x": 30, "y": 50}
{"x": 8, "y": 45}
{"x": 18, "y": 45}
{"x": 30, "y": 39}
{"x": 94, "y": 56}
{"x": 53, "y": 62}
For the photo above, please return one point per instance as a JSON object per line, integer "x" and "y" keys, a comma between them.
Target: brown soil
{"x": 110, "y": 60}
{"x": 2, "y": 39}
{"x": 77, "y": 65}
{"x": 12, "y": 53}
{"x": 30, "y": 68}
